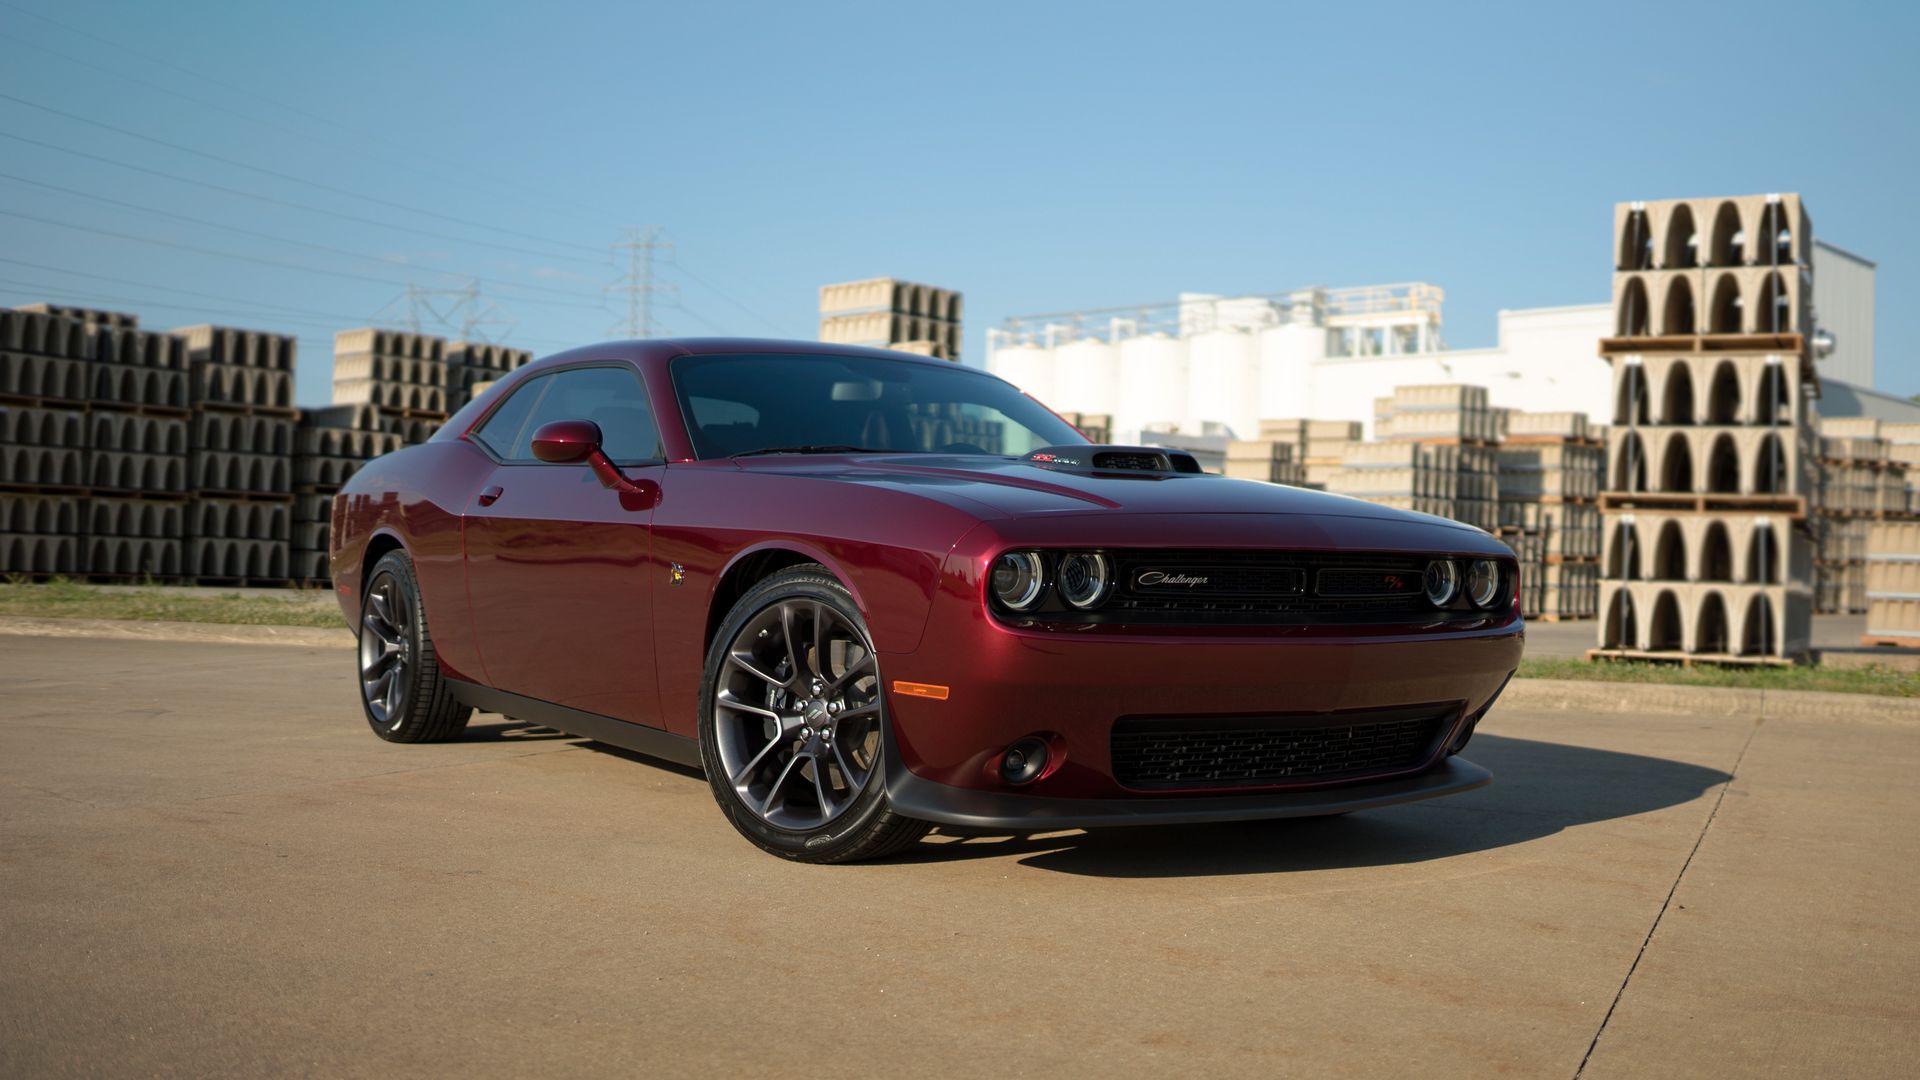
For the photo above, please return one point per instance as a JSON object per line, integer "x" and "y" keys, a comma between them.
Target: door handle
{"x": 491, "y": 495}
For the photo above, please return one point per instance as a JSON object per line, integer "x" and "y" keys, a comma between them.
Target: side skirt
{"x": 638, "y": 738}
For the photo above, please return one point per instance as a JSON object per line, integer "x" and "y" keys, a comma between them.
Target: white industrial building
{"x": 1209, "y": 361}
{"x": 1209, "y": 366}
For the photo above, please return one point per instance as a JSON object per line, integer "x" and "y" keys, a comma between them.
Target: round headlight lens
{"x": 1483, "y": 583}
{"x": 1083, "y": 579}
{"x": 1018, "y": 579}
{"x": 1442, "y": 581}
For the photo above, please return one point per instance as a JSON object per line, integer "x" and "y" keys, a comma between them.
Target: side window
{"x": 612, "y": 397}
{"x": 502, "y": 430}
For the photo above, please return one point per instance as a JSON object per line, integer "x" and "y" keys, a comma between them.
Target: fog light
{"x": 1024, "y": 761}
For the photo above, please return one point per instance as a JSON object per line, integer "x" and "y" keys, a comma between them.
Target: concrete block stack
{"x": 1858, "y": 482}
{"x": 1707, "y": 553}
{"x": 1551, "y": 466}
{"x": 1893, "y": 584}
{"x": 1454, "y": 431}
{"x": 240, "y": 460}
{"x": 46, "y": 380}
{"x": 404, "y": 374}
{"x": 472, "y": 367}
{"x": 888, "y": 313}
{"x": 1264, "y": 459}
{"x": 138, "y": 467}
{"x": 1319, "y": 446}
{"x": 1097, "y": 427}
{"x": 329, "y": 445}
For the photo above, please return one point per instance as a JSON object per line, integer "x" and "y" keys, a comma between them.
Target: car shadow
{"x": 1539, "y": 788}
{"x": 511, "y": 731}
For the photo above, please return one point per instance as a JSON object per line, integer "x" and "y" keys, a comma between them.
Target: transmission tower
{"x": 639, "y": 284}
{"x": 462, "y": 314}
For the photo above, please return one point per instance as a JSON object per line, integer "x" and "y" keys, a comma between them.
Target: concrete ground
{"x": 209, "y": 867}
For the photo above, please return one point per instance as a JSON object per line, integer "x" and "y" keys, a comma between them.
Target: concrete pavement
{"x": 209, "y": 867}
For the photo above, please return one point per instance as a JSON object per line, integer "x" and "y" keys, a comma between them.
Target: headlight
{"x": 1483, "y": 583}
{"x": 1442, "y": 581}
{"x": 1019, "y": 577}
{"x": 1083, "y": 579}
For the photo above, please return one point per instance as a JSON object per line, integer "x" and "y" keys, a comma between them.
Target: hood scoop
{"x": 1125, "y": 460}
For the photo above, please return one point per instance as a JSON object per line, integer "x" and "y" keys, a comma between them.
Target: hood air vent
{"x": 1115, "y": 459}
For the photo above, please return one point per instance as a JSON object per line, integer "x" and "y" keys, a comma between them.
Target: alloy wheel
{"x": 385, "y": 650}
{"x": 797, "y": 714}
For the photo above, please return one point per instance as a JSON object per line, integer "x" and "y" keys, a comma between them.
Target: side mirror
{"x": 565, "y": 442}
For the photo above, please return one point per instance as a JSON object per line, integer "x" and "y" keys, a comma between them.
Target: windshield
{"x": 800, "y": 403}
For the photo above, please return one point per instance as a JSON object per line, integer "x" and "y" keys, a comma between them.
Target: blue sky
{"x": 1038, "y": 157}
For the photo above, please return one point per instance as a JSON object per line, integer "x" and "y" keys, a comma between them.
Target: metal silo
{"x": 1029, "y": 367}
{"x": 1223, "y": 380}
{"x": 1153, "y": 383}
{"x": 1086, "y": 377}
{"x": 1287, "y": 354}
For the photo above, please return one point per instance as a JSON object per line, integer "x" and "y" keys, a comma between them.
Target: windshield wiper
{"x": 819, "y": 449}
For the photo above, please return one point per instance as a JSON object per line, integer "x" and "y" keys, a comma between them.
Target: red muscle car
{"x": 869, "y": 593}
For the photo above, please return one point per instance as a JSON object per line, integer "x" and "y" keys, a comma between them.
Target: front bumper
{"x": 944, "y": 804}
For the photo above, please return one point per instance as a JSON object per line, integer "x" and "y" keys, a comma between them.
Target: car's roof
{"x": 654, "y": 350}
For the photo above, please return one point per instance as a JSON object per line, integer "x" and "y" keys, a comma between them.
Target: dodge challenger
{"x": 868, "y": 593}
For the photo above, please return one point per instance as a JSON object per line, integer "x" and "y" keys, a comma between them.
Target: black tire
{"x": 863, "y": 826}
{"x": 414, "y": 703}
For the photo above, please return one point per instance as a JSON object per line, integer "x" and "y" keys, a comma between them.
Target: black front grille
{"x": 1267, "y": 586}
{"x": 1155, "y": 752}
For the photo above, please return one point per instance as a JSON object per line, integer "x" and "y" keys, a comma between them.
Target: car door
{"x": 558, "y": 574}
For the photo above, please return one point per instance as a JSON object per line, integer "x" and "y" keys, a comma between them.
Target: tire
{"x": 402, "y": 692}
{"x": 793, "y": 739}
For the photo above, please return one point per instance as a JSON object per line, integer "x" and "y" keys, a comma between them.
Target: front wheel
{"x": 405, "y": 697}
{"x": 793, "y": 724}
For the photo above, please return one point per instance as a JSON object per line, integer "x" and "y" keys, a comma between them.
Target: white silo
{"x": 1153, "y": 383}
{"x": 1027, "y": 366}
{"x": 1086, "y": 377}
{"x": 1223, "y": 380}
{"x": 1287, "y": 354}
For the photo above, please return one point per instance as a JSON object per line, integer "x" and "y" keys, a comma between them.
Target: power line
{"x": 320, "y": 319}
{"x": 639, "y": 284}
{"x": 289, "y": 203}
{"x": 252, "y": 93}
{"x": 250, "y": 258}
{"x": 716, "y": 290}
{"x": 270, "y": 125}
{"x": 290, "y": 177}
{"x": 272, "y": 237}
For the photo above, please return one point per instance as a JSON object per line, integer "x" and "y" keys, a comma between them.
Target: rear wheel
{"x": 793, "y": 724}
{"x": 401, "y": 688}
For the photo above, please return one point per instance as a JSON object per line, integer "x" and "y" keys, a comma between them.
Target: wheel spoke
{"x": 377, "y": 599}
{"x": 394, "y": 687}
{"x": 766, "y": 804}
{"x": 822, "y": 658}
{"x": 868, "y": 709}
{"x": 786, "y": 632}
{"x": 377, "y": 687}
{"x": 378, "y": 629}
{"x": 379, "y": 663}
{"x": 747, "y": 770}
{"x": 858, "y": 667}
{"x": 747, "y": 665}
{"x": 846, "y": 772}
{"x": 820, "y": 787}
{"x": 727, "y": 700}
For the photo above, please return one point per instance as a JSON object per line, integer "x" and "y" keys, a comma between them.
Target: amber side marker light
{"x": 920, "y": 689}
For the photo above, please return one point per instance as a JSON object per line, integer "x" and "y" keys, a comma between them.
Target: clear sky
{"x": 1037, "y": 156}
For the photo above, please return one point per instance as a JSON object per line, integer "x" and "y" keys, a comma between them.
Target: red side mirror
{"x": 564, "y": 442}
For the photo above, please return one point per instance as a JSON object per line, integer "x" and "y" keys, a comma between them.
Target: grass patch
{"x": 1872, "y": 680}
{"x": 62, "y": 599}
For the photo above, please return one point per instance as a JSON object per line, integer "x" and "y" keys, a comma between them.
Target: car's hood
{"x": 1014, "y": 488}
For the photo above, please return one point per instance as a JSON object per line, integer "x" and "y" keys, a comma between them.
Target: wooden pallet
{"x": 1692, "y": 659}
{"x": 1890, "y": 641}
